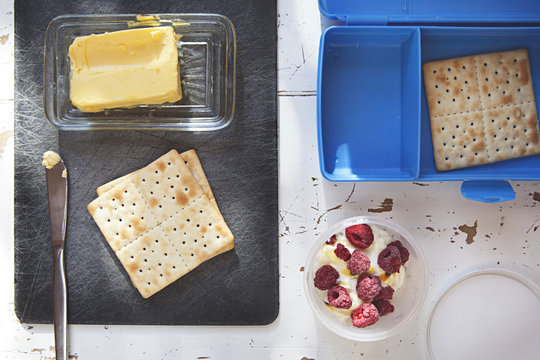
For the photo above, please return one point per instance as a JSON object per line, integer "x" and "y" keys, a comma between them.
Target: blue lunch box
{"x": 372, "y": 115}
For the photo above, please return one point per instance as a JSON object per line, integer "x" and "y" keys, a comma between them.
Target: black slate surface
{"x": 238, "y": 287}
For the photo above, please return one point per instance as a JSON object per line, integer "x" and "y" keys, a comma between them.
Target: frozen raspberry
{"x": 338, "y": 297}
{"x": 342, "y": 252}
{"x": 358, "y": 263}
{"x": 386, "y": 293}
{"x": 383, "y": 306}
{"x": 325, "y": 277}
{"x": 332, "y": 240}
{"x": 368, "y": 286}
{"x": 389, "y": 259}
{"x": 367, "y": 314}
{"x": 403, "y": 251}
{"x": 361, "y": 236}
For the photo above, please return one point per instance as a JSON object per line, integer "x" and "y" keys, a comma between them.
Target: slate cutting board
{"x": 238, "y": 287}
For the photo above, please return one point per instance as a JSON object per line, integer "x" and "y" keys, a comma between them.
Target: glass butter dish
{"x": 207, "y": 56}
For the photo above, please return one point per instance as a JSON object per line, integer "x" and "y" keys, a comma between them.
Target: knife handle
{"x": 59, "y": 303}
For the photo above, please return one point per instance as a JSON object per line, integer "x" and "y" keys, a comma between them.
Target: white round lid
{"x": 488, "y": 314}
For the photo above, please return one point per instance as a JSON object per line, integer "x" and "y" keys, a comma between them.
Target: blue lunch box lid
{"x": 418, "y": 12}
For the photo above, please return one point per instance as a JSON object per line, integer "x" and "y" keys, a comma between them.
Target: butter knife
{"x": 56, "y": 175}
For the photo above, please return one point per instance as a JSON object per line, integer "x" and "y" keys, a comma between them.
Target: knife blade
{"x": 57, "y": 186}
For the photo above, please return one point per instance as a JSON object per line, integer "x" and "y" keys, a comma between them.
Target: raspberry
{"x": 332, "y": 240}
{"x": 389, "y": 259}
{"x": 342, "y": 252}
{"x": 325, "y": 277}
{"x": 367, "y": 314}
{"x": 338, "y": 297}
{"x": 383, "y": 306}
{"x": 386, "y": 293}
{"x": 368, "y": 287}
{"x": 361, "y": 236}
{"x": 403, "y": 251}
{"x": 358, "y": 263}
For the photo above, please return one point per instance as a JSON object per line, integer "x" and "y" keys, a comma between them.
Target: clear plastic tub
{"x": 407, "y": 299}
{"x": 486, "y": 314}
{"x": 207, "y": 56}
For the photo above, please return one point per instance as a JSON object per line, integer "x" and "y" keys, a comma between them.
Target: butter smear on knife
{"x": 50, "y": 159}
{"x": 124, "y": 69}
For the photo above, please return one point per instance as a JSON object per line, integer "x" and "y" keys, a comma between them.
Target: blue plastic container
{"x": 373, "y": 121}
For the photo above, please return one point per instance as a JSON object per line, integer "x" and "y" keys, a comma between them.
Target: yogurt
{"x": 327, "y": 256}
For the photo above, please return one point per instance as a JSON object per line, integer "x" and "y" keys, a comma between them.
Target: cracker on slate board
{"x": 193, "y": 163}
{"x": 177, "y": 229}
{"x": 482, "y": 109}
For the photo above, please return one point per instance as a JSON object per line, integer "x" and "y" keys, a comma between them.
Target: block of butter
{"x": 124, "y": 69}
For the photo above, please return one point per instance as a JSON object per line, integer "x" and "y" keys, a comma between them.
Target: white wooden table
{"x": 507, "y": 234}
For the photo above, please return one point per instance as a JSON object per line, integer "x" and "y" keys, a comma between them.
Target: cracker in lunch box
{"x": 482, "y": 109}
{"x": 192, "y": 161}
{"x": 184, "y": 228}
